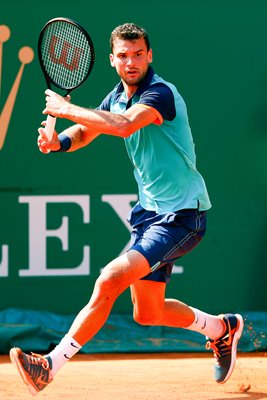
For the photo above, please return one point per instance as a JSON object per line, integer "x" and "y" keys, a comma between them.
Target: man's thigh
{"x": 148, "y": 297}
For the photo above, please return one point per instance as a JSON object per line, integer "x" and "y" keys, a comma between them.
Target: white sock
{"x": 63, "y": 352}
{"x": 206, "y": 324}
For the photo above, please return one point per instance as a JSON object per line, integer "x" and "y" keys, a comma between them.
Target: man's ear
{"x": 150, "y": 56}
{"x": 111, "y": 59}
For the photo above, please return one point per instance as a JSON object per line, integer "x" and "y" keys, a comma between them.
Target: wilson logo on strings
{"x": 26, "y": 55}
{"x": 64, "y": 54}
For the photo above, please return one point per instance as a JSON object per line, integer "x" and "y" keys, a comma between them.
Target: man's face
{"x": 131, "y": 60}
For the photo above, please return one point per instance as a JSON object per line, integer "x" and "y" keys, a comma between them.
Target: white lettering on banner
{"x": 4, "y": 262}
{"x": 38, "y": 234}
{"x": 121, "y": 204}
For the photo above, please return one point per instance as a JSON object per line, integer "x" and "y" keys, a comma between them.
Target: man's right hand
{"x": 45, "y": 145}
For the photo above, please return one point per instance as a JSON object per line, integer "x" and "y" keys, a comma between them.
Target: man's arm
{"x": 106, "y": 122}
{"x": 79, "y": 136}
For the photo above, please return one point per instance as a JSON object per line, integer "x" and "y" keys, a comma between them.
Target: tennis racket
{"x": 66, "y": 55}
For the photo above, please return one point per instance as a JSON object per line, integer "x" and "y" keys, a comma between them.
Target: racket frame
{"x": 48, "y": 79}
{"x": 51, "y": 120}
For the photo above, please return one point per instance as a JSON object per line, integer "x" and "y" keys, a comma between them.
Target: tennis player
{"x": 168, "y": 221}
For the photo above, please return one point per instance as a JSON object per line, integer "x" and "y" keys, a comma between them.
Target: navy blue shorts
{"x": 163, "y": 238}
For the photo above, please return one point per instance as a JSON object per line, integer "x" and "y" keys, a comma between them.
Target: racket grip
{"x": 50, "y": 126}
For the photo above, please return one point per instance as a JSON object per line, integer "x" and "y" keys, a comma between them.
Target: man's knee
{"x": 148, "y": 317}
{"x": 107, "y": 285}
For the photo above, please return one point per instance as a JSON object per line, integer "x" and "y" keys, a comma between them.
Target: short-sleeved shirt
{"x": 162, "y": 153}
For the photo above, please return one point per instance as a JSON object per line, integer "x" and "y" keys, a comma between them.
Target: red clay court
{"x": 162, "y": 376}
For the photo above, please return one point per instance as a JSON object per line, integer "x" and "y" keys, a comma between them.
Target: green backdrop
{"x": 61, "y": 214}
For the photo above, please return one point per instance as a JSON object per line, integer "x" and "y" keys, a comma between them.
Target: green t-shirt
{"x": 163, "y": 154}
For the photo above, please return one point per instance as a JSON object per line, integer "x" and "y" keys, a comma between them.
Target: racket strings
{"x": 66, "y": 54}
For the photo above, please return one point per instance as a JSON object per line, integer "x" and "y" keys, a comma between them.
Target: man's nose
{"x": 130, "y": 61}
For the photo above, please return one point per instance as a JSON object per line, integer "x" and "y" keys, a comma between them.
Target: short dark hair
{"x": 129, "y": 31}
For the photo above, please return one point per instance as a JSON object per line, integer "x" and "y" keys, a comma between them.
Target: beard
{"x": 134, "y": 81}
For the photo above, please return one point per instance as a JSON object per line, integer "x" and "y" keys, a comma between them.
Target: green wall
{"x": 215, "y": 53}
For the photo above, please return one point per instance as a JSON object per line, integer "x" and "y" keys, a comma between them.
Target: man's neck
{"x": 129, "y": 90}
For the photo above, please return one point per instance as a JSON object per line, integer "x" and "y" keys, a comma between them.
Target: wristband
{"x": 65, "y": 143}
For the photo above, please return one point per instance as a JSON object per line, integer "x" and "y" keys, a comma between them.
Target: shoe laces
{"x": 213, "y": 345}
{"x": 37, "y": 359}
{"x": 220, "y": 348}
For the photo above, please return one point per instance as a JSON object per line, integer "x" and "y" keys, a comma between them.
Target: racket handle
{"x": 50, "y": 126}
